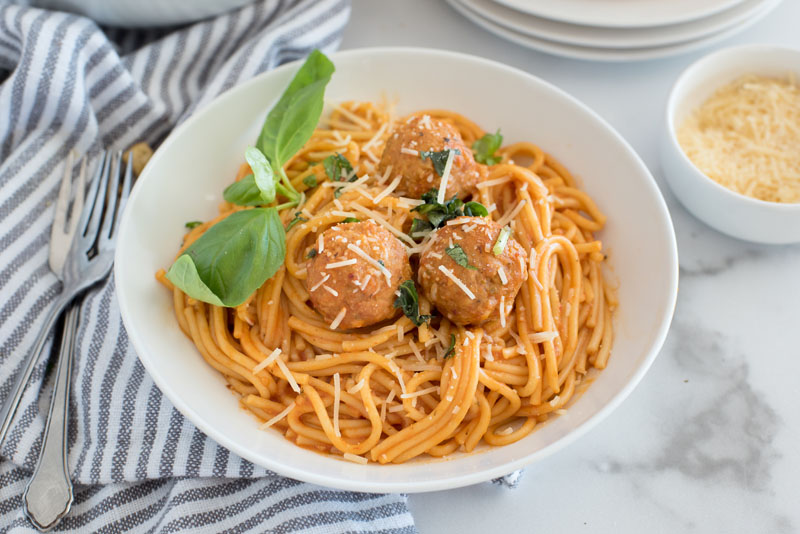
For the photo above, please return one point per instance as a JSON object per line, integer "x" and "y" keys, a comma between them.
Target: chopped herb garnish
{"x": 452, "y": 348}
{"x": 459, "y": 256}
{"x": 351, "y": 219}
{"x": 310, "y": 181}
{"x": 419, "y": 227}
{"x": 312, "y": 253}
{"x": 439, "y": 159}
{"x": 193, "y": 224}
{"x": 475, "y": 209}
{"x": 408, "y": 301}
{"x": 337, "y": 167}
{"x": 438, "y": 214}
{"x": 485, "y": 147}
{"x": 380, "y": 262}
{"x": 337, "y": 192}
{"x": 502, "y": 239}
{"x": 297, "y": 219}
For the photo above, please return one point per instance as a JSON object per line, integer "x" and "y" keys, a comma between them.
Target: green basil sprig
{"x": 237, "y": 255}
{"x": 485, "y": 147}
{"x": 233, "y": 258}
{"x": 291, "y": 122}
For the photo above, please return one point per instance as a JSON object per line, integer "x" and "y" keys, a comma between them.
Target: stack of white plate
{"x": 614, "y": 30}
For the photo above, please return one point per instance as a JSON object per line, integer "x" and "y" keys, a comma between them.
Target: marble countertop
{"x": 708, "y": 441}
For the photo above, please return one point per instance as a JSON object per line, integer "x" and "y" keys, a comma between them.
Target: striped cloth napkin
{"x": 137, "y": 463}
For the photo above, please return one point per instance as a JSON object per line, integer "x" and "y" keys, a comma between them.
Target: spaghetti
{"x": 396, "y": 391}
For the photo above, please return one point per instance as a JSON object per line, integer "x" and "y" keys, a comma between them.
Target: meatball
{"x": 341, "y": 278}
{"x": 418, "y": 176}
{"x": 464, "y": 249}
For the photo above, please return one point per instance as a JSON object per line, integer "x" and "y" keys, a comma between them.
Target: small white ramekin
{"x": 729, "y": 212}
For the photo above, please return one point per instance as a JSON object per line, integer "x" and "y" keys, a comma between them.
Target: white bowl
{"x": 186, "y": 176}
{"x": 725, "y": 210}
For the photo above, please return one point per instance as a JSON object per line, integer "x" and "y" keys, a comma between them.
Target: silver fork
{"x": 60, "y": 240}
{"x": 48, "y": 495}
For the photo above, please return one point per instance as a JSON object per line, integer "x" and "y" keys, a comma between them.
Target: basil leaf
{"x": 337, "y": 167}
{"x": 451, "y": 350}
{"x": 183, "y": 274}
{"x": 439, "y": 159}
{"x": 232, "y": 259}
{"x": 408, "y": 301}
{"x": 245, "y": 192}
{"x": 351, "y": 219}
{"x": 193, "y": 224}
{"x": 475, "y": 209}
{"x": 292, "y": 120}
{"x": 297, "y": 219}
{"x": 485, "y": 147}
{"x": 459, "y": 256}
{"x": 502, "y": 240}
{"x": 310, "y": 181}
{"x": 419, "y": 227}
{"x": 264, "y": 178}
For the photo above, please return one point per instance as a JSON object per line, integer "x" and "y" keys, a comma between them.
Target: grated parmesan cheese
{"x": 445, "y": 176}
{"x": 318, "y": 284}
{"x": 343, "y": 263}
{"x": 330, "y": 290}
{"x": 372, "y": 262}
{"x": 349, "y": 456}
{"x": 385, "y": 193}
{"x": 338, "y": 319}
{"x": 357, "y": 387}
{"x": 419, "y": 393}
{"x": 268, "y": 360}
{"x": 508, "y": 217}
{"x": 449, "y": 274}
{"x": 337, "y": 393}
{"x": 288, "y": 375}
{"x": 746, "y": 138}
{"x": 278, "y": 417}
{"x": 500, "y": 272}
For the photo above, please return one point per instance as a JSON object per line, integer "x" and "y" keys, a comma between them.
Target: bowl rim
{"x": 669, "y": 116}
{"x": 462, "y": 479}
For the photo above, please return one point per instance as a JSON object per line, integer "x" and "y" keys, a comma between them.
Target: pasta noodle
{"x": 388, "y": 393}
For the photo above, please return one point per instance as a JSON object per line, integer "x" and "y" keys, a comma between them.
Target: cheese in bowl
{"x": 746, "y": 137}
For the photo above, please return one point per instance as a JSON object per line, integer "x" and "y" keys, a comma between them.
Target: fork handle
{"x": 12, "y": 402}
{"x": 48, "y": 495}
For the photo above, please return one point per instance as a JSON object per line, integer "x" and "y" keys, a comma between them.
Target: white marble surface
{"x": 709, "y": 440}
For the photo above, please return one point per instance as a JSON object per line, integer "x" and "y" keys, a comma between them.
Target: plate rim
{"x": 524, "y": 6}
{"x": 561, "y": 32}
{"x": 410, "y": 486}
{"x": 611, "y": 55}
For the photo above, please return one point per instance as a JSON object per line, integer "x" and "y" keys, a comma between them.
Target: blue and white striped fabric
{"x": 138, "y": 464}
